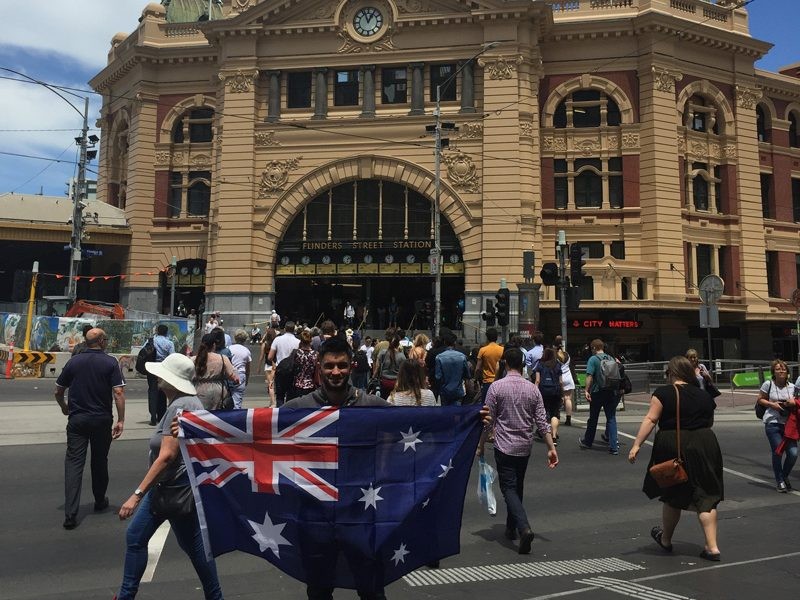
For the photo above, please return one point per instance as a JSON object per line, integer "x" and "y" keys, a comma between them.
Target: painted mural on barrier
{"x": 60, "y": 334}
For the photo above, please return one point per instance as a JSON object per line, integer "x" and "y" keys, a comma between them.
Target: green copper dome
{"x": 190, "y": 11}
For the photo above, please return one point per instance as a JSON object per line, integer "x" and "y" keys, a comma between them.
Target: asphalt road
{"x": 591, "y": 520}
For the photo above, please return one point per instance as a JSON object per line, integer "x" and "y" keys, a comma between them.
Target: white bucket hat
{"x": 177, "y": 370}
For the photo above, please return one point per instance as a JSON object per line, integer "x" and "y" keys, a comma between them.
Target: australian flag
{"x": 348, "y": 498}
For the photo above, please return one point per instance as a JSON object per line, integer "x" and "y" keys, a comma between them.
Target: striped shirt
{"x": 515, "y": 405}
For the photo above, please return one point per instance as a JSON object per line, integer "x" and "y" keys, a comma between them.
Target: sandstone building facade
{"x": 278, "y": 150}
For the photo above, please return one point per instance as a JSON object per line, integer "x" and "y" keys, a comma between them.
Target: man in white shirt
{"x": 281, "y": 348}
{"x": 241, "y": 359}
{"x": 534, "y": 355}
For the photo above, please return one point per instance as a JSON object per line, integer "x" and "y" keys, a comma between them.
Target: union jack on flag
{"x": 349, "y": 498}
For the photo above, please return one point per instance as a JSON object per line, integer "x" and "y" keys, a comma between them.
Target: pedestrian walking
{"x": 780, "y": 422}
{"x": 452, "y": 371}
{"x": 174, "y": 374}
{"x": 269, "y": 371}
{"x": 306, "y": 368}
{"x": 94, "y": 380}
{"x": 212, "y": 372}
{"x": 699, "y": 449}
{"x": 547, "y": 377}
{"x": 241, "y": 359}
{"x": 488, "y": 361}
{"x": 387, "y": 365}
{"x": 410, "y": 388}
{"x": 515, "y": 406}
{"x": 602, "y": 393}
{"x": 568, "y": 378}
{"x": 156, "y": 401}
{"x": 281, "y": 348}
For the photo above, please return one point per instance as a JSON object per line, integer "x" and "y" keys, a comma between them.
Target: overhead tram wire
{"x": 22, "y": 185}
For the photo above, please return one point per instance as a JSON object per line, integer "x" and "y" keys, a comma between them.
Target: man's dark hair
{"x": 491, "y": 334}
{"x": 289, "y": 327}
{"x": 335, "y": 345}
{"x": 328, "y": 327}
{"x": 162, "y": 329}
{"x": 85, "y": 329}
{"x": 513, "y": 358}
{"x": 448, "y": 337}
{"x": 538, "y": 338}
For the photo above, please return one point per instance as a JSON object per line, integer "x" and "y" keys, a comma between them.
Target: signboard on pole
{"x": 709, "y": 316}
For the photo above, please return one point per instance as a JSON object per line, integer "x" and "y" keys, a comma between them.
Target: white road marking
{"x": 634, "y": 590}
{"x": 154, "y": 549}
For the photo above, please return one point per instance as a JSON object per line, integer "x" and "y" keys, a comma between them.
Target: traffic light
{"x": 549, "y": 274}
{"x": 502, "y": 305}
{"x": 576, "y": 263}
{"x": 573, "y": 298}
{"x": 489, "y": 314}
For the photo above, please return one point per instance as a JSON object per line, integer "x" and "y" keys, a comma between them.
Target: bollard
{"x": 10, "y": 361}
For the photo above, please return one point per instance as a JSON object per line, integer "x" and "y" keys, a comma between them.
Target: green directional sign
{"x": 581, "y": 379}
{"x": 750, "y": 379}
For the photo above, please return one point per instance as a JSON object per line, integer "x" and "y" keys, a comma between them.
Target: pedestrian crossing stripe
{"x": 33, "y": 357}
{"x": 589, "y": 566}
{"x": 630, "y": 589}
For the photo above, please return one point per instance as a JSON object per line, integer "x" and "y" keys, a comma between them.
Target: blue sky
{"x": 67, "y": 48}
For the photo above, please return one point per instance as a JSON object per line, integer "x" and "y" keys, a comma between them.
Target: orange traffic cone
{"x": 10, "y": 361}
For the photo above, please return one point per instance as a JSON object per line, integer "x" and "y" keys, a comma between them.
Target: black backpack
{"x": 146, "y": 354}
{"x": 360, "y": 362}
{"x": 548, "y": 379}
{"x": 285, "y": 371}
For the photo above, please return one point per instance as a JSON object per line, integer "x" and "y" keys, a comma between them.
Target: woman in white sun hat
{"x": 174, "y": 374}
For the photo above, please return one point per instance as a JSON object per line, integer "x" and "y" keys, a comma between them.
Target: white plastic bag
{"x": 485, "y": 489}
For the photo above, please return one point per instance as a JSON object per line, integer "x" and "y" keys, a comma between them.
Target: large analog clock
{"x": 367, "y": 21}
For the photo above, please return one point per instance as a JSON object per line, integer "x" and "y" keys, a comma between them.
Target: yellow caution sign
{"x": 33, "y": 358}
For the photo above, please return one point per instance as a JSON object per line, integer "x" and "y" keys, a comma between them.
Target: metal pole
{"x": 174, "y": 266}
{"x": 31, "y": 303}
{"x": 710, "y": 351}
{"x": 78, "y": 194}
{"x": 562, "y": 283}
{"x": 797, "y": 331}
{"x": 437, "y": 234}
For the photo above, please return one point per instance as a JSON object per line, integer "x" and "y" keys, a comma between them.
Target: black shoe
{"x": 70, "y": 523}
{"x": 152, "y": 421}
{"x": 511, "y": 533}
{"x": 525, "y": 541}
{"x": 712, "y": 556}
{"x": 433, "y": 565}
{"x": 783, "y": 488}
{"x": 568, "y": 421}
{"x": 583, "y": 444}
{"x": 102, "y": 505}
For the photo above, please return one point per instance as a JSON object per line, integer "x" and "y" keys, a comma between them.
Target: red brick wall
{"x": 787, "y": 273}
{"x": 730, "y": 270}
{"x": 630, "y": 180}
{"x": 161, "y": 194}
{"x": 729, "y": 204}
{"x": 548, "y": 188}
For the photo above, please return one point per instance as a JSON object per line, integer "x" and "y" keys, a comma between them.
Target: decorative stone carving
{"x": 681, "y": 145}
{"x": 526, "y": 129}
{"x": 714, "y": 150}
{"x": 665, "y": 79}
{"x": 470, "y": 131}
{"x": 730, "y": 151}
{"x": 587, "y": 147}
{"x": 275, "y": 175}
{"x": 461, "y": 172}
{"x": 612, "y": 142}
{"x": 163, "y": 157}
{"x": 747, "y": 98}
{"x": 326, "y": 11}
{"x": 351, "y": 46}
{"x": 241, "y": 5}
{"x": 630, "y": 140}
{"x": 412, "y": 6}
{"x": 699, "y": 149}
{"x": 554, "y": 144}
{"x": 201, "y": 160}
{"x": 266, "y": 138}
{"x": 500, "y": 68}
{"x": 239, "y": 82}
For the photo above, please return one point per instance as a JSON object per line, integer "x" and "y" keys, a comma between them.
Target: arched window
{"x": 587, "y": 108}
{"x": 189, "y": 192}
{"x": 762, "y": 128}
{"x": 196, "y": 125}
{"x": 701, "y": 115}
{"x": 198, "y": 198}
{"x": 794, "y": 142}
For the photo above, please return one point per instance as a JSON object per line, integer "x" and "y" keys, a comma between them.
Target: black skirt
{"x": 703, "y": 463}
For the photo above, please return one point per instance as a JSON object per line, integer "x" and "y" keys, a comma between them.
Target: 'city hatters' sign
{"x": 605, "y": 324}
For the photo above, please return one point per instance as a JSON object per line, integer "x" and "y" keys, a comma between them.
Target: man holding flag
{"x": 352, "y": 499}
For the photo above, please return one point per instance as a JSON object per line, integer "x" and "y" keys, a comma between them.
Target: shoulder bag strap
{"x": 678, "y": 418}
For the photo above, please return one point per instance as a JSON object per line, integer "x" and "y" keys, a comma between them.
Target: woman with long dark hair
{"x": 547, "y": 377}
{"x": 306, "y": 367}
{"x": 699, "y": 449}
{"x": 387, "y": 365}
{"x": 410, "y": 388}
{"x": 212, "y": 370}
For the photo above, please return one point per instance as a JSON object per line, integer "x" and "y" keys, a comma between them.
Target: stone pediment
{"x": 321, "y": 13}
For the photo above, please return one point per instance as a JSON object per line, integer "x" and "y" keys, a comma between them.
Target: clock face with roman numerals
{"x": 368, "y": 21}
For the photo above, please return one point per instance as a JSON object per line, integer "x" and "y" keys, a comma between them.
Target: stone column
{"x": 320, "y": 93}
{"x": 274, "y": 107}
{"x": 468, "y": 88}
{"x": 368, "y": 105}
{"x": 417, "y": 89}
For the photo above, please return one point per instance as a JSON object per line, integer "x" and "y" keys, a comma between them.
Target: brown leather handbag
{"x": 671, "y": 472}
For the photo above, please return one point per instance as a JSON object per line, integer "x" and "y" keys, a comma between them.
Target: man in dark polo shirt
{"x": 94, "y": 379}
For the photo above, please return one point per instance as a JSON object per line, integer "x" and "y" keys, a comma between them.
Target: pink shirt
{"x": 515, "y": 405}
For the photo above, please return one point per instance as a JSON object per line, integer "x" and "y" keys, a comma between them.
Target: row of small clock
{"x": 367, "y": 259}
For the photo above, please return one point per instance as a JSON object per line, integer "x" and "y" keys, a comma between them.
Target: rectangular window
{"x": 796, "y": 200}
{"x": 588, "y": 190}
{"x": 641, "y": 288}
{"x": 615, "y": 194}
{"x": 298, "y": 89}
{"x": 587, "y": 288}
{"x": 625, "y": 288}
{"x": 704, "y": 266}
{"x": 772, "y": 274}
{"x": 766, "y": 192}
{"x": 700, "y": 192}
{"x": 618, "y": 249}
{"x": 561, "y": 184}
{"x": 198, "y": 197}
{"x": 395, "y": 85}
{"x": 346, "y": 88}
{"x": 593, "y": 249}
{"x": 439, "y": 75}
{"x": 175, "y": 195}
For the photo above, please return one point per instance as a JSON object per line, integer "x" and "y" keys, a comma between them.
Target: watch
{"x": 138, "y": 493}
{"x": 368, "y": 21}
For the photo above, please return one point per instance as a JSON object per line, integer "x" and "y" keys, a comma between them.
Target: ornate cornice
{"x": 239, "y": 82}
{"x": 351, "y": 46}
{"x": 266, "y": 138}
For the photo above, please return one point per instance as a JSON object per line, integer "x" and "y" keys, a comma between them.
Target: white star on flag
{"x": 425, "y": 504}
{"x": 446, "y": 468}
{"x": 400, "y": 555}
{"x": 268, "y": 535}
{"x": 410, "y": 439}
{"x": 370, "y": 497}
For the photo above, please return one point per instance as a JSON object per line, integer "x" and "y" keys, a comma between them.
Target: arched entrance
{"x": 367, "y": 242}
{"x": 190, "y": 284}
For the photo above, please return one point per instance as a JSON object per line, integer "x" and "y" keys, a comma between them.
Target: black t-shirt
{"x": 697, "y": 407}
{"x": 90, "y": 377}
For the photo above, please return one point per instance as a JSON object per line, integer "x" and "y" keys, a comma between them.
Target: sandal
{"x": 712, "y": 556}
{"x": 656, "y": 533}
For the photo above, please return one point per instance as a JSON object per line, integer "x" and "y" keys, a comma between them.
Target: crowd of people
{"x": 524, "y": 385}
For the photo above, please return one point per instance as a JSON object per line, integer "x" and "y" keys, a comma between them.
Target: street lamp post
{"x": 436, "y": 253}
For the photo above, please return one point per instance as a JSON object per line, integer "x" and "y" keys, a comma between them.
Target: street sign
{"x": 711, "y": 289}
{"x": 750, "y": 379}
{"x": 434, "y": 260}
{"x": 709, "y": 316}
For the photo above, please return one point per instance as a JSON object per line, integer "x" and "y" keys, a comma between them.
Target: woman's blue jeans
{"x": 781, "y": 465}
{"x": 187, "y": 530}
